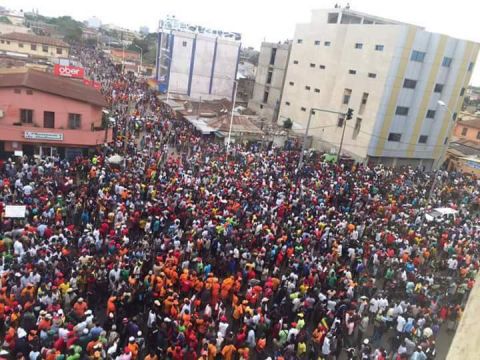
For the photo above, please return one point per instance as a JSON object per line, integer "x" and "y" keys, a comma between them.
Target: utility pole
{"x": 348, "y": 116}
{"x": 305, "y": 136}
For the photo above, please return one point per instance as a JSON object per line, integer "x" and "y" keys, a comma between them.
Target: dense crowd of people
{"x": 183, "y": 251}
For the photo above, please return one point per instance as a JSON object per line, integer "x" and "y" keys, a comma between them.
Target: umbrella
{"x": 115, "y": 159}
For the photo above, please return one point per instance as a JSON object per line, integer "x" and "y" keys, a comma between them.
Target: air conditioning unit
{"x": 2, "y": 114}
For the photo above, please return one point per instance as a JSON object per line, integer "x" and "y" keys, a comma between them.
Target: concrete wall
{"x": 13, "y": 45}
{"x": 201, "y": 66}
{"x": 323, "y": 58}
{"x": 269, "y": 109}
{"x": 472, "y": 134}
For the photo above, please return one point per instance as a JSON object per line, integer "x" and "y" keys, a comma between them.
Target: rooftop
{"x": 31, "y": 38}
{"x": 470, "y": 120}
{"x": 51, "y": 84}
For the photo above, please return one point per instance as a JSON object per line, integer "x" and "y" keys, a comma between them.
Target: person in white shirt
{"x": 400, "y": 324}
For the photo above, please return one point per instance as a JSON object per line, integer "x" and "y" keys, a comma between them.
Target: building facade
{"x": 34, "y": 45}
{"x": 197, "y": 65}
{"x": 468, "y": 127}
{"x": 46, "y": 115}
{"x": 391, "y": 74}
{"x": 269, "y": 80}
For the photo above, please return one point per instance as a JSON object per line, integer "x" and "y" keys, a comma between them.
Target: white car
{"x": 439, "y": 214}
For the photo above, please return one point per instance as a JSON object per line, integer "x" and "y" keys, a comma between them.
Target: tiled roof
{"x": 31, "y": 38}
{"x": 52, "y": 84}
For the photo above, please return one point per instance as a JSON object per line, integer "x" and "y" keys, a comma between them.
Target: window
{"x": 299, "y": 41}
{"x": 462, "y": 92}
{"x": 8, "y": 42}
{"x": 445, "y": 141}
{"x": 74, "y": 121}
{"x": 291, "y": 83}
{"x": 273, "y": 54}
{"x": 372, "y": 75}
{"x": 346, "y": 96}
{"x": 464, "y": 131}
{"x": 45, "y": 48}
{"x": 269, "y": 77}
{"x": 447, "y": 61}
{"x": 454, "y": 116}
{"x": 340, "y": 121}
{"x": 287, "y": 103}
{"x": 401, "y": 110}
{"x": 33, "y": 47}
{"x": 2, "y": 41}
{"x": 29, "y": 92}
{"x": 478, "y": 135}
{"x": 317, "y": 42}
{"x": 394, "y": 137}
{"x": 261, "y": 106}
{"x": 295, "y": 62}
{"x": 356, "y": 129}
{"x": 423, "y": 139}
{"x": 332, "y": 18}
{"x": 327, "y": 43}
{"x": 364, "y": 98}
{"x": 409, "y": 83}
{"x": 265, "y": 97}
{"x": 59, "y": 51}
{"x": 49, "y": 119}
{"x": 303, "y": 108}
{"x": 184, "y": 43}
{"x": 17, "y": 91}
{"x": 322, "y": 67}
{"x": 26, "y": 116}
{"x": 379, "y": 47}
{"x": 317, "y": 90}
{"x": 352, "y": 72}
{"x": 312, "y": 65}
{"x": 358, "y": 45}
{"x": 20, "y": 45}
{"x": 438, "y": 88}
{"x": 418, "y": 56}
{"x": 430, "y": 114}
{"x": 307, "y": 88}
{"x": 470, "y": 66}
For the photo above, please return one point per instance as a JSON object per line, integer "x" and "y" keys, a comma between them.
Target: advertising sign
{"x": 15, "y": 211}
{"x": 43, "y": 136}
{"x": 68, "y": 71}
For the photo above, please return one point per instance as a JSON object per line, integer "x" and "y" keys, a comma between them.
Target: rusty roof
{"x": 32, "y": 38}
{"x": 55, "y": 85}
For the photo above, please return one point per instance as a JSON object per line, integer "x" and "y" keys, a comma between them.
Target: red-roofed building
{"x": 45, "y": 115}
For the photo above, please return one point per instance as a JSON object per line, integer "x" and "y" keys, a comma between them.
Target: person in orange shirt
{"x": 229, "y": 351}
{"x": 151, "y": 355}
{"x": 80, "y": 307}
{"x": 133, "y": 347}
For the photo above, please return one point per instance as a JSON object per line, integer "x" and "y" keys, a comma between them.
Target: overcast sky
{"x": 272, "y": 20}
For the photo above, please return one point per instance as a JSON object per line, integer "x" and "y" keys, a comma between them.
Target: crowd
{"x": 186, "y": 252}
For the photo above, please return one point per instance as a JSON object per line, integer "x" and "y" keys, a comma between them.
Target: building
{"x": 269, "y": 80}
{"x": 130, "y": 60}
{"x": 34, "y": 45}
{"x": 9, "y": 28}
{"x": 194, "y": 62}
{"x": 45, "y": 115}
{"x": 468, "y": 127}
{"x": 391, "y": 74}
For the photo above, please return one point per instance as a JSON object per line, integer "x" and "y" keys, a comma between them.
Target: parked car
{"x": 441, "y": 214}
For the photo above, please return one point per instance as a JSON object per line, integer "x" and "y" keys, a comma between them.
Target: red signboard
{"x": 97, "y": 85}
{"x": 87, "y": 82}
{"x": 68, "y": 71}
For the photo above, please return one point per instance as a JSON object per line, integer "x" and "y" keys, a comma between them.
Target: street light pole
{"x": 235, "y": 84}
{"x": 141, "y": 57}
{"x": 444, "y": 150}
{"x": 305, "y": 136}
{"x": 348, "y": 116}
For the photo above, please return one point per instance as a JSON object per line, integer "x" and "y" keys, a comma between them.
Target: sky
{"x": 259, "y": 20}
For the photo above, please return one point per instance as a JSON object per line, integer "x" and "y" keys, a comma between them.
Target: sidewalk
{"x": 466, "y": 342}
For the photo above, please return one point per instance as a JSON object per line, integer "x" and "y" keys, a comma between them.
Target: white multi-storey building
{"x": 269, "y": 80}
{"x": 391, "y": 74}
{"x": 197, "y": 62}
